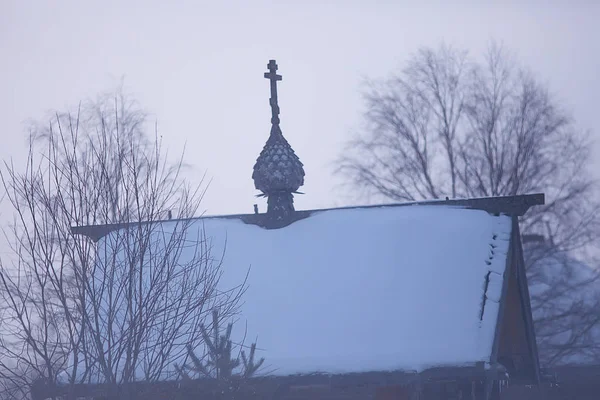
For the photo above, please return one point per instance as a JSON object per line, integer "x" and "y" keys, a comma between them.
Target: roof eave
{"x": 524, "y": 289}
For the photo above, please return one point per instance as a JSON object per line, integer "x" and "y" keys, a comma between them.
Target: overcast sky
{"x": 198, "y": 66}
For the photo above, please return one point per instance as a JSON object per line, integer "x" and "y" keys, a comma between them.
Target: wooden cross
{"x": 273, "y": 77}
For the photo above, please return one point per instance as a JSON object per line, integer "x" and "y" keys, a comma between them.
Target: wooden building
{"x": 426, "y": 299}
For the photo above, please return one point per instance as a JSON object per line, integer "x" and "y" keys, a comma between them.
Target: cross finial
{"x": 273, "y": 77}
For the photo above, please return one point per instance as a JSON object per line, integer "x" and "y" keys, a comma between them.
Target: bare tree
{"x": 121, "y": 308}
{"x": 450, "y": 125}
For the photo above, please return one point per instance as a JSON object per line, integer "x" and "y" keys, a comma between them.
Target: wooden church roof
{"x": 389, "y": 288}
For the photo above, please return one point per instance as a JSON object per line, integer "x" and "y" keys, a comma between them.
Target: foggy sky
{"x": 197, "y": 67}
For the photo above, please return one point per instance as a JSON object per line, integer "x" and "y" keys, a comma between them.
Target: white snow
{"x": 350, "y": 290}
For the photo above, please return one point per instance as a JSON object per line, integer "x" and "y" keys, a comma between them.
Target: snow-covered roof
{"x": 354, "y": 290}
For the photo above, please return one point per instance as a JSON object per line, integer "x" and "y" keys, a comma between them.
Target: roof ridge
{"x": 509, "y": 205}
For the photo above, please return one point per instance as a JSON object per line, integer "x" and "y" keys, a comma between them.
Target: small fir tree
{"x": 218, "y": 362}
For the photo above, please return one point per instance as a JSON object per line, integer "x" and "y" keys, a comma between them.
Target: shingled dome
{"x": 278, "y": 168}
